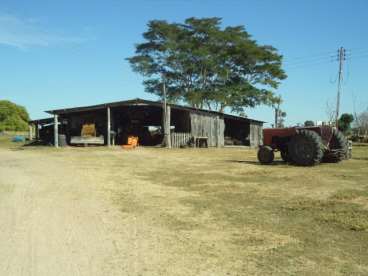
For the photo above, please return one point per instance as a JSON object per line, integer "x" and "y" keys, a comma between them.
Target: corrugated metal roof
{"x": 139, "y": 101}
{"x": 42, "y": 121}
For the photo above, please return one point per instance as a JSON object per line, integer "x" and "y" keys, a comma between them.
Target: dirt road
{"x": 59, "y": 216}
{"x": 52, "y": 220}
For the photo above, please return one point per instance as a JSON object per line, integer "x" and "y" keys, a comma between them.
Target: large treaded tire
{"x": 305, "y": 148}
{"x": 338, "y": 148}
{"x": 265, "y": 155}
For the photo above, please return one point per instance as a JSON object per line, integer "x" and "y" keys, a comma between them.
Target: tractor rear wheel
{"x": 305, "y": 148}
{"x": 338, "y": 148}
{"x": 265, "y": 155}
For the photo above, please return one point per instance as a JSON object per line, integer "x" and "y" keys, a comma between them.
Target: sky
{"x": 56, "y": 54}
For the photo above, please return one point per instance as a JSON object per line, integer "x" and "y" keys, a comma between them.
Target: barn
{"x": 115, "y": 122}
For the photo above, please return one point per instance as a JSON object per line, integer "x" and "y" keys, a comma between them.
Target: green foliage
{"x": 13, "y": 117}
{"x": 345, "y": 122}
{"x": 308, "y": 123}
{"x": 208, "y": 66}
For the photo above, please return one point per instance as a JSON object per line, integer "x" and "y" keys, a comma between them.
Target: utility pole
{"x": 277, "y": 108}
{"x": 341, "y": 58}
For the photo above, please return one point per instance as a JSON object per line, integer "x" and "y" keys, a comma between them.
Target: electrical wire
{"x": 357, "y": 50}
{"x": 327, "y": 58}
{"x": 323, "y": 54}
{"x": 346, "y": 80}
{"x": 358, "y": 56}
{"x": 295, "y": 66}
{"x": 310, "y": 60}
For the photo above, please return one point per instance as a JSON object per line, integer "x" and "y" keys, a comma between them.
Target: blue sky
{"x": 68, "y": 53}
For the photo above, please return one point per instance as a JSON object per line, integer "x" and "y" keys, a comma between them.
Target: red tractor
{"x": 303, "y": 146}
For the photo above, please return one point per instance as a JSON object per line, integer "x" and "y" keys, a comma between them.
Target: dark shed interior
{"x": 237, "y": 132}
{"x": 145, "y": 119}
{"x": 142, "y": 121}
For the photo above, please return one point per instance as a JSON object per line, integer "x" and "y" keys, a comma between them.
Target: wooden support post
{"x": 30, "y": 132}
{"x": 167, "y": 130}
{"x": 218, "y": 126}
{"x": 108, "y": 126}
{"x": 56, "y": 131}
{"x": 112, "y": 129}
{"x": 37, "y": 133}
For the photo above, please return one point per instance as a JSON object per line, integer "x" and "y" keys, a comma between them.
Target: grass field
{"x": 219, "y": 212}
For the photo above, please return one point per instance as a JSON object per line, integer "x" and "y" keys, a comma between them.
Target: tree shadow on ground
{"x": 274, "y": 163}
{"x": 360, "y": 158}
{"x": 36, "y": 143}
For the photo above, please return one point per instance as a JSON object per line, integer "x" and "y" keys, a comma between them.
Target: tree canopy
{"x": 13, "y": 117}
{"x": 207, "y": 66}
{"x": 345, "y": 122}
{"x": 308, "y": 123}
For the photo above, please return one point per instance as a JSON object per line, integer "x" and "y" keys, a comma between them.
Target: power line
{"x": 308, "y": 64}
{"x": 323, "y": 54}
{"x": 334, "y": 81}
{"x": 310, "y": 60}
{"x": 357, "y": 56}
{"x": 347, "y": 72}
{"x": 326, "y": 58}
{"x": 357, "y": 50}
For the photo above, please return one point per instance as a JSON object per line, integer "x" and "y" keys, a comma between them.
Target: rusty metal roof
{"x": 142, "y": 102}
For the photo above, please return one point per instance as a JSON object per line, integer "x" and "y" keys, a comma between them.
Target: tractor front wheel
{"x": 305, "y": 148}
{"x": 265, "y": 155}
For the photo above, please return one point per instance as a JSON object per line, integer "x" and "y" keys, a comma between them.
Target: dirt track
{"x": 52, "y": 221}
{"x": 59, "y": 216}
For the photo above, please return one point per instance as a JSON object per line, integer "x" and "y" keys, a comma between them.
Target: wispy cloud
{"x": 25, "y": 33}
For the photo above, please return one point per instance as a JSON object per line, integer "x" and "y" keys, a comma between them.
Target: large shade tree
{"x": 13, "y": 117}
{"x": 207, "y": 66}
{"x": 345, "y": 121}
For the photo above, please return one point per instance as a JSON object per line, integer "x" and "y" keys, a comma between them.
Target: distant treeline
{"x": 13, "y": 117}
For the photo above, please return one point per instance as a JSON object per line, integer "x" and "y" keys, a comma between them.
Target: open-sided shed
{"x": 117, "y": 120}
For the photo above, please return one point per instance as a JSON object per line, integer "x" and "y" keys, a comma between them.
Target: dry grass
{"x": 254, "y": 219}
{"x": 219, "y": 212}
{"x": 258, "y": 219}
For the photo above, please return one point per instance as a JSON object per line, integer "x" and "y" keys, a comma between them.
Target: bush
{"x": 13, "y": 117}
{"x": 308, "y": 123}
{"x": 345, "y": 122}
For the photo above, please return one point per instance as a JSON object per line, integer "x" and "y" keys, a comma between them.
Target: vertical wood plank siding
{"x": 179, "y": 139}
{"x": 210, "y": 126}
{"x": 255, "y": 135}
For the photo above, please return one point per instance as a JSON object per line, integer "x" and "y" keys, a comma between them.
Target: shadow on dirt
{"x": 360, "y": 158}
{"x": 36, "y": 143}
{"x": 274, "y": 163}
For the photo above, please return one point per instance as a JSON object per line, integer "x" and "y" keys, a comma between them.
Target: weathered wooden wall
{"x": 255, "y": 134}
{"x": 180, "y": 139}
{"x": 210, "y": 126}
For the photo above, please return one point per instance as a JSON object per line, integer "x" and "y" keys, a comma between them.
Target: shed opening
{"x": 237, "y": 132}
